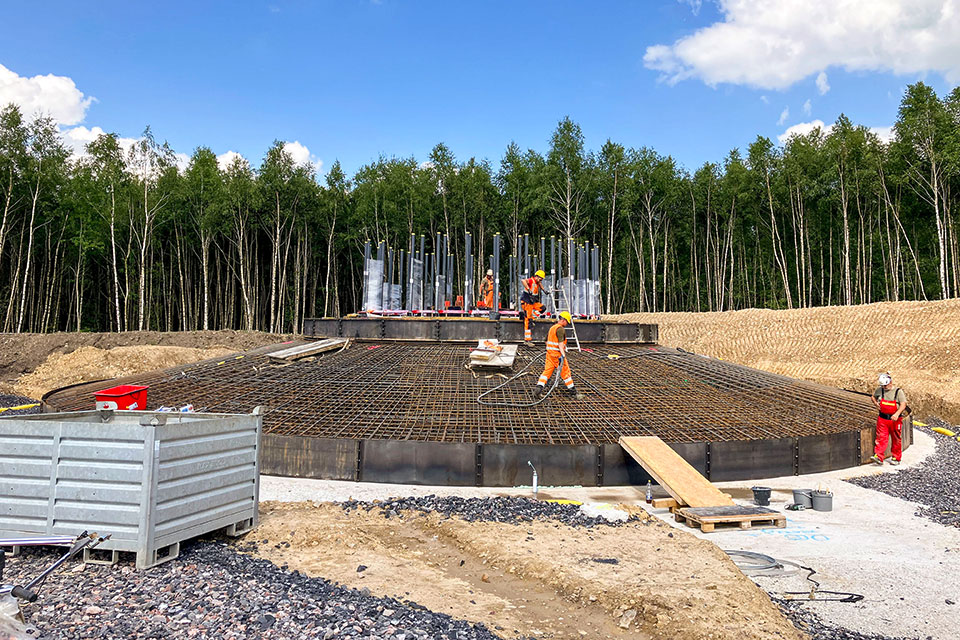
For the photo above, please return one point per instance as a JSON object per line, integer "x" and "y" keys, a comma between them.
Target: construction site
{"x": 398, "y": 474}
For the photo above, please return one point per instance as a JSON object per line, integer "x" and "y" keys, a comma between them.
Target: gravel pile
{"x": 811, "y": 624}
{"x": 934, "y": 484}
{"x": 214, "y": 592}
{"x": 16, "y": 401}
{"x": 493, "y": 509}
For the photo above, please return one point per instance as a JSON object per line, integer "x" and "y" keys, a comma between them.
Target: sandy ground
{"x": 873, "y": 544}
{"x": 538, "y": 579}
{"x": 846, "y": 347}
{"x": 32, "y": 364}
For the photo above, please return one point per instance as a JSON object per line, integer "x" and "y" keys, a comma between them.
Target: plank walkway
{"x": 684, "y": 483}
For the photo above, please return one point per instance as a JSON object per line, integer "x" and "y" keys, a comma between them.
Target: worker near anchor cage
{"x": 557, "y": 352}
{"x": 891, "y": 403}
{"x": 486, "y": 291}
{"x": 530, "y": 302}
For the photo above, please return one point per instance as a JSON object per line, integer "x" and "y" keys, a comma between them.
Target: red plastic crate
{"x": 125, "y": 397}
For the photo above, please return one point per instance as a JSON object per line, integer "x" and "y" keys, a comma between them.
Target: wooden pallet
{"x": 745, "y": 517}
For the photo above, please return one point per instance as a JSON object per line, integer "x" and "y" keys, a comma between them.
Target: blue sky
{"x": 351, "y": 80}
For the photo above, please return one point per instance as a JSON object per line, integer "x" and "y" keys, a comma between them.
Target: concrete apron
{"x": 871, "y": 543}
{"x": 905, "y": 566}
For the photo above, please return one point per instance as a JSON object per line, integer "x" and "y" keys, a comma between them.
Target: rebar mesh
{"x": 423, "y": 391}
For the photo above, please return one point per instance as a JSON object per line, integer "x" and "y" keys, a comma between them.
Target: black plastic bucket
{"x": 761, "y": 495}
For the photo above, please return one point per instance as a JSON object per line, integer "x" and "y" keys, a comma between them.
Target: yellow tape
{"x": 917, "y": 423}
{"x": 576, "y": 502}
{"x": 945, "y": 432}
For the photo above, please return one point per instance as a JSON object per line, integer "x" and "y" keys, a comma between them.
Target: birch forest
{"x": 120, "y": 238}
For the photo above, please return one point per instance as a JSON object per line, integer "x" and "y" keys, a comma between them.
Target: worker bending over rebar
{"x": 530, "y": 301}
{"x": 557, "y": 354}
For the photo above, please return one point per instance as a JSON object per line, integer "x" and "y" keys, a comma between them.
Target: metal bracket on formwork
{"x": 706, "y": 470}
{"x": 358, "y": 471}
{"x": 599, "y": 465}
{"x": 479, "y": 465}
{"x": 796, "y": 456}
{"x": 436, "y": 330}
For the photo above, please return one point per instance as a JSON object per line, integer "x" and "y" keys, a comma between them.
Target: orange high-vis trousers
{"x": 553, "y": 360}
{"x": 528, "y": 311}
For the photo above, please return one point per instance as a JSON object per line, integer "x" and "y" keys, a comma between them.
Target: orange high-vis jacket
{"x": 557, "y": 338}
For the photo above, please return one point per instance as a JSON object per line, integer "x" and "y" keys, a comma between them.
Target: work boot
{"x": 894, "y": 461}
{"x": 538, "y": 390}
{"x": 875, "y": 459}
{"x": 572, "y": 392}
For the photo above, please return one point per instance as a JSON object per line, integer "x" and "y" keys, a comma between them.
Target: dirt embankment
{"x": 536, "y": 579}
{"x": 846, "y": 347}
{"x": 32, "y": 364}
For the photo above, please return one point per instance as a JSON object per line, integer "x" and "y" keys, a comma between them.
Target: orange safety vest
{"x": 556, "y": 338}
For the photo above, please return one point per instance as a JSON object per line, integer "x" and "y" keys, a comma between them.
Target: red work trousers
{"x": 893, "y": 429}
{"x": 553, "y": 359}
{"x": 528, "y": 311}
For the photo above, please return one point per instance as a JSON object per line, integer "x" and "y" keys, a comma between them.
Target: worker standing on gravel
{"x": 530, "y": 301}
{"x": 486, "y": 291}
{"x": 891, "y": 403}
{"x": 557, "y": 352}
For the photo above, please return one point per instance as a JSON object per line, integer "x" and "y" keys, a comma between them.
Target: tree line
{"x": 122, "y": 239}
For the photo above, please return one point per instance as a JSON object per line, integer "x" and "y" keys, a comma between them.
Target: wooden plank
{"x": 308, "y": 349}
{"x": 673, "y": 473}
{"x": 665, "y": 503}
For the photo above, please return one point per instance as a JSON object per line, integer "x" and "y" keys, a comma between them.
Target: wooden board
{"x": 665, "y": 503}
{"x": 673, "y": 473}
{"x": 311, "y": 348}
{"x": 744, "y": 517}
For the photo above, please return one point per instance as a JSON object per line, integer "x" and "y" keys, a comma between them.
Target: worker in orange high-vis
{"x": 530, "y": 302}
{"x": 557, "y": 353}
{"x": 486, "y": 291}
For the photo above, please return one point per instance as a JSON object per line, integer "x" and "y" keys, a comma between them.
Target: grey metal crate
{"x": 149, "y": 479}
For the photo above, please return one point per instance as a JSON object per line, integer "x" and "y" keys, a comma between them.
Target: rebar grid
{"x": 423, "y": 391}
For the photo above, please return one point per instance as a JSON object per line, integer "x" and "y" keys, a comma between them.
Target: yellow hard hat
{"x": 566, "y": 316}
{"x": 540, "y": 273}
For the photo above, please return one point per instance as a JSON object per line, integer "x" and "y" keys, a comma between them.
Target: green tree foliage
{"x": 120, "y": 238}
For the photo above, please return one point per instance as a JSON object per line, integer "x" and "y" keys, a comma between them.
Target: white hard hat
{"x": 884, "y": 379}
{"x": 489, "y": 272}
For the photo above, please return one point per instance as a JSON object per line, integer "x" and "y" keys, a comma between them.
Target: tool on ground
{"x": 12, "y": 594}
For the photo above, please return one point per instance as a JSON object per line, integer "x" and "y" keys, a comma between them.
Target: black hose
{"x": 519, "y": 405}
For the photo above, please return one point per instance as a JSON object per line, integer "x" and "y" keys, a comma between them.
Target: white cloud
{"x": 693, "y": 4}
{"x": 301, "y": 155}
{"x": 56, "y": 96}
{"x": 886, "y": 134}
{"x": 77, "y": 138}
{"x": 773, "y": 44}
{"x": 784, "y": 115}
{"x": 804, "y": 128}
{"x": 807, "y": 107}
{"x": 822, "y": 85}
{"x": 224, "y": 160}
{"x": 764, "y": 99}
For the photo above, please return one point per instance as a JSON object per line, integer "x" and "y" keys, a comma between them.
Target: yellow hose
{"x": 945, "y": 432}
{"x": 20, "y": 407}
